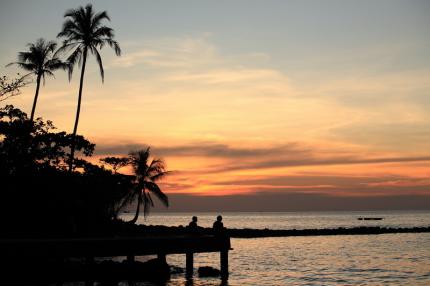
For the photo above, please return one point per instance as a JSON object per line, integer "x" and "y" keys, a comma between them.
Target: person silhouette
{"x": 192, "y": 226}
{"x": 218, "y": 226}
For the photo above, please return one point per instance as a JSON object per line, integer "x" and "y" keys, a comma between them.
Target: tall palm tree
{"x": 146, "y": 177}
{"x": 84, "y": 32}
{"x": 40, "y": 60}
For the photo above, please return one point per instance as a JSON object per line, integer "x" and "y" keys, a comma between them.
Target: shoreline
{"x": 149, "y": 230}
{"x": 258, "y": 233}
{"x": 124, "y": 230}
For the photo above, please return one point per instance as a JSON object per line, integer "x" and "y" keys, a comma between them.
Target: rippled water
{"x": 292, "y": 220}
{"x": 388, "y": 259}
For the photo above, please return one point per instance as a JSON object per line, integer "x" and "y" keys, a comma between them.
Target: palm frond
{"x": 40, "y": 58}
{"x": 147, "y": 204}
{"x": 83, "y": 29}
{"x": 114, "y": 44}
{"x": 47, "y": 72}
{"x": 72, "y": 59}
{"x": 99, "y": 61}
{"x": 96, "y": 20}
{"x": 139, "y": 161}
{"x": 25, "y": 66}
{"x": 55, "y": 64}
{"x": 71, "y": 12}
{"x": 148, "y": 195}
{"x": 26, "y": 57}
{"x": 103, "y": 32}
{"x": 66, "y": 46}
{"x": 159, "y": 176}
{"x": 155, "y": 189}
{"x": 50, "y": 47}
{"x": 128, "y": 199}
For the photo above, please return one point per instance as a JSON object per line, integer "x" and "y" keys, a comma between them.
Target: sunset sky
{"x": 257, "y": 105}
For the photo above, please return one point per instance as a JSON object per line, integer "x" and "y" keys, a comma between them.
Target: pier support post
{"x": 89, "y": 277}
{"x": 224, "y": 264}
{"x": 162, "y": 257}
{"x": 190, "y": 264}
{"x": 89, "y": 259}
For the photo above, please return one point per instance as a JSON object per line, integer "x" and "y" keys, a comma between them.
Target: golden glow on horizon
{"x": 237, "y": 126}
{"x": 196, "y": 176}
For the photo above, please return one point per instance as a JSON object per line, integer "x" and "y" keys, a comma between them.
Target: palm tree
{"x": 84, "y": 32}
{"x": 146, "y": 176}
{"x": 40, "y": 60}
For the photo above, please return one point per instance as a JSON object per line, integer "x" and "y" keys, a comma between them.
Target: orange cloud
{"x": 216, "y": 169}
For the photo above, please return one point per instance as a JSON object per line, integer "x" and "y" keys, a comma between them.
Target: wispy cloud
{"x": 171, "y": 53}
{"x": 210, "y": 149}
{"x": 285, "y": 163}
{"x": 230, "y": 76}
{"x": 134, "y": 58}
{"x": 228, "y": 170}
{"x": 287, "y": 155}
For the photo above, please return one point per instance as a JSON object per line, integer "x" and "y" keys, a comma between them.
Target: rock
{"x": 176, "y": 270}
{"x": 152, "y": 270}
{"x": 207, "y": 271}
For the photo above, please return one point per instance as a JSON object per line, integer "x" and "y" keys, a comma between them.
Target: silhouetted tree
{"x": 11, "y": 87}
{"x": 26, "y": 147}
{"x": 40, "y": 60}
{"x": 37, "y": 188}
{"x": 85, "y": 33}
{"x": 146, "y": 176}
{"x": 115, "y": 163}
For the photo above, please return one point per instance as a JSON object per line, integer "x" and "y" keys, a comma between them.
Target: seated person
{"x": 218, "y": 226}
{"x": 192, "y": 226}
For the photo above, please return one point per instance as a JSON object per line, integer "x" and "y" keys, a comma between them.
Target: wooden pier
{"x": 120, "y": 246}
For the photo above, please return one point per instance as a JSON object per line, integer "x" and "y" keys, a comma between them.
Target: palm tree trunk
{"x": 35, "y": 97}
{"x": 78, "y": 111}
{"x": 136, "y": 215}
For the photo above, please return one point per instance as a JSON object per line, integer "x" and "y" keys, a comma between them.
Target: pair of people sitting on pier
{"x": 218, "y": 226}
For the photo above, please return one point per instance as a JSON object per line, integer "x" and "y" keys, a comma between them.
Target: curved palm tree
{"x": 146, "y": 176}
{"x": 85, "y": 32}
{"x": 40, "y": 60}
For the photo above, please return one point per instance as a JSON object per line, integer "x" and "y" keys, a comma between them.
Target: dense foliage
{"x": 40, "y": 194}
{"x": 46, "y": 190}
{"x": 11, "y": 87}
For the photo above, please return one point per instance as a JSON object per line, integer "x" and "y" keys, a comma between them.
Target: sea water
{"x": 386, "y": 259}
{"x": 291, "y": 220}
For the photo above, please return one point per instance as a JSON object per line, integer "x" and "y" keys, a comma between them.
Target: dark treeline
{"x": 83, "y": 33}
{"x": 47, "y": 185}
{"x": 41, "y": 197}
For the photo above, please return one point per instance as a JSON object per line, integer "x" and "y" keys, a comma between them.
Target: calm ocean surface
{"x": 388, "y": 259}
{"x": 291, "y": 220}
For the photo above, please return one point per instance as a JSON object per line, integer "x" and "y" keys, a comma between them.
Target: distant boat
{"x": 370, "y": 218}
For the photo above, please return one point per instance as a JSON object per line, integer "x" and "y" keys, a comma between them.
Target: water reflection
{"x": 389, "y": 259}
{"x": 192, "y": 282}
